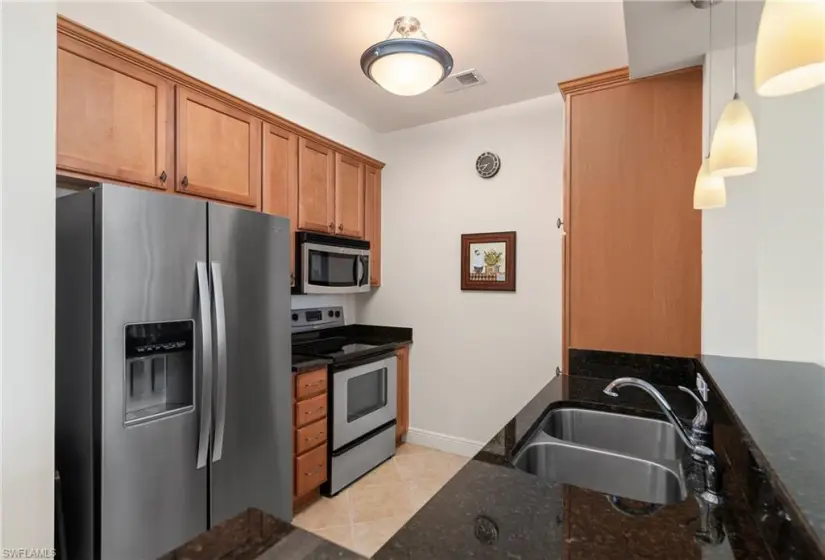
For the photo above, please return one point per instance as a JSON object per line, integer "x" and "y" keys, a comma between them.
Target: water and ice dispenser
{"x": 160, "y": 370}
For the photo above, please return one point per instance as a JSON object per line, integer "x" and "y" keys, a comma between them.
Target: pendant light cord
{"x": 735, "y": 49}
{"x": 710, "y": 73}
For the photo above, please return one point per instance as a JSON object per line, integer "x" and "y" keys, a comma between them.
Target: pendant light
{"x": 733, "y": 150}
{"x": 790, "y": 47}
{"x": 708, "y": 191}
{"x": 406, "y": 62}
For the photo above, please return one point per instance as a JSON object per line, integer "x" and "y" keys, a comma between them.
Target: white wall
{"x": 478, "y": 356}
{"x": 27, "y": 273}
{"x": 764, "y": 254}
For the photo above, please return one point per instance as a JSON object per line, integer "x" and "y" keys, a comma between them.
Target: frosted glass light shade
{"x": 406, "y": 73}
{"x": 708, "y": 191}
{"x": 790, "y": 47}
{"x": 733, "y": 150}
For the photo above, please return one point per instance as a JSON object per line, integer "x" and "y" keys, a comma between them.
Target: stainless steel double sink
{"x": 616, "y": 454}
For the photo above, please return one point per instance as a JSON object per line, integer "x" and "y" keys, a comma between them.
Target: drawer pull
{"x": 317, "y": 410}
{"x": 308, "y": 385}
{"x": 319, "y": 436}
{"x": 316, "y": 471}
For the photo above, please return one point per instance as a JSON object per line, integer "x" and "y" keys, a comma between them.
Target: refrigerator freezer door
{"x": 153, "y": 496}
{"x": 250, "y": 252}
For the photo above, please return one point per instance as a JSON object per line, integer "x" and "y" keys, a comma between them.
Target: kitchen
{"x": 741, "y": 284}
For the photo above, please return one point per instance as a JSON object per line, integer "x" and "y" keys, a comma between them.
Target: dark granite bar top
{"x": 491, "y": 510}
{"x": 255, "y": 535}
{"x": 780, "y": 407}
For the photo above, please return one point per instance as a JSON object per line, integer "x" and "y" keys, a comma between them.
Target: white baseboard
{"x": 443, "y": 442}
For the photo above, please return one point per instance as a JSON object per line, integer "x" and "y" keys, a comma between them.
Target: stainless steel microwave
{"x": 331, "y": 265}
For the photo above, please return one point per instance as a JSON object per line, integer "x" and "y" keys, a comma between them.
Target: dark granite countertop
{"x": 385, "y": 338}
{"x": 781, "y": 409}
{"x": 301, "y": 363}
{"x": 255, "y": 535}
{"x": 535, "y": 518}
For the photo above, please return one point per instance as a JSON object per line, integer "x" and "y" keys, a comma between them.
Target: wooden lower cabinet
{"x": 310, "y": 470}
{"x": 310, "y": 435}
{"x": 402, "y": 414}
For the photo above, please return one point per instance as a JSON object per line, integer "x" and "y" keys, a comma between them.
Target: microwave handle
{"x": 359, "y": 270}
{"x": 362, "y": 271}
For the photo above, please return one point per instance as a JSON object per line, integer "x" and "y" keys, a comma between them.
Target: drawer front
{"x": 310, "y": 383}
{"x": 310, "y": 410}
{"x": 310, "y": 470}
{"x": 310, "y": 436}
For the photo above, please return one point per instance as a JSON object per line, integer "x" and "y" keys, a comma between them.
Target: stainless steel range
{"x": 362, "y": 394}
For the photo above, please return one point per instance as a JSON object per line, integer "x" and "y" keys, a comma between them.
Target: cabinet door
{"x": 113, "y": 118}
{"x": 316, "y": 188}
{"x": 372, "y": 222}
{"x": 402, "y": 405}
{"x": 280, "y": 192}
{"x": 218, "y": 149}
{"x": 349, "y": 196}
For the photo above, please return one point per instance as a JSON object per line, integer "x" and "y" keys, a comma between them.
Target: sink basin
{"x": 644, "y": 438}
{"x": 602, "y": 470}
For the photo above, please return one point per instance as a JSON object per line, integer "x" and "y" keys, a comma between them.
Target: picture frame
{"x": 488, "y": 261}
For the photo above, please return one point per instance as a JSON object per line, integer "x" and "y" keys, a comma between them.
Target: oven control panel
{"x": 315, "y": 318}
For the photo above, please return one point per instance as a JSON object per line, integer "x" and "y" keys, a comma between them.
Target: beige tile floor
{"x": 367, "y": 514}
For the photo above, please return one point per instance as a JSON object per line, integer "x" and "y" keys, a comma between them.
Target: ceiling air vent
{"x": 463, "y": 80}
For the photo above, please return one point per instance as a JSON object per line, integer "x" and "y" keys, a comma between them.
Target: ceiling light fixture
{"x": 406, "y": 62}
{"x": 790, "y": 47}
{"x": 733, "y": 150}
{"x": 708, "y": 191}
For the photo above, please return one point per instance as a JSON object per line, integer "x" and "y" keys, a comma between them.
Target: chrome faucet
{"x": 693, "y": 441}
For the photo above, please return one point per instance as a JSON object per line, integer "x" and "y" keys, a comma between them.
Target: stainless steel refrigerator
{"x": 173, "y": 379}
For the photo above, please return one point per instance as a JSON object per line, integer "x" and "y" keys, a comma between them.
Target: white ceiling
{"x": 665, "y": 35}
{"x": 522, "y": 49}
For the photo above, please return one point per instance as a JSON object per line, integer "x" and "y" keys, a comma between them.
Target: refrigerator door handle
{"x": 206, "y": 364}
{"x": 220, "y": 342}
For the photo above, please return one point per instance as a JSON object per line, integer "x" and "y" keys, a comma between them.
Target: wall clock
{"x": 488, "y": 165}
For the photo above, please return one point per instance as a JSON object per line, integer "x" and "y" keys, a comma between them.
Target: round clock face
{"x": 488, "y": 165}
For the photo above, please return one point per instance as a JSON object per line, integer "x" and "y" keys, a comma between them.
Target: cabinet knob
{"x": 163, "y": 177}
{"x": 185, "y": 181}
{"x": 292, "y": 277}
{"x": 340, "y": 227}
{"x": 331, "y": 226}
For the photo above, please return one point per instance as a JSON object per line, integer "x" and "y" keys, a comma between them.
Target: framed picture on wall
{"x": 488, "y": 261}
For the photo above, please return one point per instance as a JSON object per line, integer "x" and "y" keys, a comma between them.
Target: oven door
{"x": 329, "y": 269}
{"x": 363, "y": 399}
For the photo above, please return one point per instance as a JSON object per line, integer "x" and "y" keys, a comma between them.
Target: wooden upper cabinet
{"x": 280, "y": 176}
{"x": 349, "y": 196}
{"x": 316, "y": 187}
{"x": 114, "y": 119}
{"x": 372, "y": 221}
{"x": 218, "y": 150}
{"x": 633, "y": 255}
